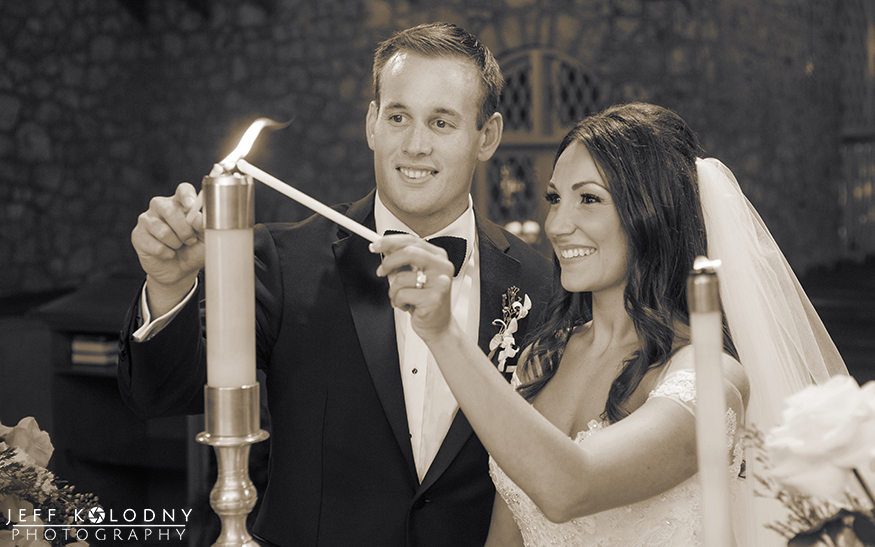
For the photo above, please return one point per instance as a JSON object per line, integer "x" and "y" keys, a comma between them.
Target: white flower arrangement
{"x": 819, "y": 462}
{"x": 36, "y": 509}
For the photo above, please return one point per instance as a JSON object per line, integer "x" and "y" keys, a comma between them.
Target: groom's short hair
{"x": 445, "y": 40}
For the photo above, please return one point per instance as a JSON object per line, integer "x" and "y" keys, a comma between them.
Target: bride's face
{"x": 584, "y": 227}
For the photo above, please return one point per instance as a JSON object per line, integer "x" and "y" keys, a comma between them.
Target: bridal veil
{"x": 782, "y": 343}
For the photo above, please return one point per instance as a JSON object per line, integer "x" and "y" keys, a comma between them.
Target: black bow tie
{"x": 456, "y": 248}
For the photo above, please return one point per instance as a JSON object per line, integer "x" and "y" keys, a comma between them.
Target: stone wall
{"x": 102, "y": 106}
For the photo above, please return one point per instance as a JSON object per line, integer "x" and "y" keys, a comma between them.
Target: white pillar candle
{"x": 230, "y": 308}
{"x": 230, "y": 281}
{"x": 706, "y": 328}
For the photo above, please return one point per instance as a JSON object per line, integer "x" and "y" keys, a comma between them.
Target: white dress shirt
{"x": 150, "y": 327}
{"x": 430, "y": 404}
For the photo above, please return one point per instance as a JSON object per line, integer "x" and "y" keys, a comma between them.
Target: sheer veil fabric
{"x": 782, "y": 343}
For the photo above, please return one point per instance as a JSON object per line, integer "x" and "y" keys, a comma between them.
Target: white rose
{"x": 827, "y": 431}
{"x": 27, "y": 436}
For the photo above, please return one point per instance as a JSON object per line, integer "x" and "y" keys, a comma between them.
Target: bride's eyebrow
{"x": 578, "y": 185}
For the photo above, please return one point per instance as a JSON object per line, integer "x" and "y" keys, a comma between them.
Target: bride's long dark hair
{"x": 647, "y": 156}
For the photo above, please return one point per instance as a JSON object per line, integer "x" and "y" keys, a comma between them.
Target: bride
{"x": 596, "y": 444}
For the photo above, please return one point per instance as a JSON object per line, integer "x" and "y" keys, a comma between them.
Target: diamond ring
{"x": 421, "y": 279}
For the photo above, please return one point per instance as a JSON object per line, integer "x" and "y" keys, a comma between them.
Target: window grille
{"x": 516, "y": 101}
{"x": 576, "y": 95}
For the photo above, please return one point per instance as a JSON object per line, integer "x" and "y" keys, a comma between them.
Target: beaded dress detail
{"x": 671, "y": 519}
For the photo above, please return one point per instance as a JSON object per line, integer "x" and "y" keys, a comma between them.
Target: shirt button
{"x": 414, "y": 371}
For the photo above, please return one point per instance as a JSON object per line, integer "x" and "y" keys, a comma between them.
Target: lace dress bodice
{"x": 671, "y": 519}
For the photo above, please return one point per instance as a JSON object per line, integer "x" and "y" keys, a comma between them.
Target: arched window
{"x": 545, "y": 94}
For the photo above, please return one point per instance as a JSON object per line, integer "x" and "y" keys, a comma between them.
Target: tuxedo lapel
{"x": 372, "y": 313}
{"x": 498, "y": 272}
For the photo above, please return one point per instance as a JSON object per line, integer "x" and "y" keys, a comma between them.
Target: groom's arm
{"x": 165, "y": 374}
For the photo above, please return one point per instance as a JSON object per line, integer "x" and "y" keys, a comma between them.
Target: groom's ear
{"x": 371, "y": 122}
{"x": 490, "y": 137}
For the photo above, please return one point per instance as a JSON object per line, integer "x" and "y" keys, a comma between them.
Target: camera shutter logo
{"x": 96, "y": 515}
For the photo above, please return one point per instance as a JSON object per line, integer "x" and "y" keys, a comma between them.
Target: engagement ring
{"x": 421, "y": 279}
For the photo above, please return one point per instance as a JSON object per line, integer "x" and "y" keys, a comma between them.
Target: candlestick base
{"x": 231, "y": 425}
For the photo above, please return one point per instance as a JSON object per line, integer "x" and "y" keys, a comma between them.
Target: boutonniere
{"x": 514, "y": 308}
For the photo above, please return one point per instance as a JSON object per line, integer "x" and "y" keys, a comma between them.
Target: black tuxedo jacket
{"x": 341, "y": 463}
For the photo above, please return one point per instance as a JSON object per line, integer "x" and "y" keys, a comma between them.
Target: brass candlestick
{"x": 231, "y": 425}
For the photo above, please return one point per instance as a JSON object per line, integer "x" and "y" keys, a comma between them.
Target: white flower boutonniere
{"x": 514, "y": 308}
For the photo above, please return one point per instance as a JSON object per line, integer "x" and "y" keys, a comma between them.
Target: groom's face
{"x": 425, "y": 138}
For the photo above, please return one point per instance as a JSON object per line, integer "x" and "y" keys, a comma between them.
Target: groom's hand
{"x": 168, "y": 239}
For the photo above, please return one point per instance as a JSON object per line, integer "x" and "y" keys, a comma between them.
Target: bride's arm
{"x": 647, "y": 453}
{"x": 503, "y": 530}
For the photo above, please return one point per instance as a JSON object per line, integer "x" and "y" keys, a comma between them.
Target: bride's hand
{"x": 420, "y": 279}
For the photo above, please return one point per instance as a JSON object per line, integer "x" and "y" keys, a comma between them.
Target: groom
{"x": 367, "y": 444}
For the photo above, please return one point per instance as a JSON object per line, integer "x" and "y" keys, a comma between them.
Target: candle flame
{"x": 248, "y": 140}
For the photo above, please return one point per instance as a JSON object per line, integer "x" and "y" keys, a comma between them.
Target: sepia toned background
{"x": 106, "y": 103}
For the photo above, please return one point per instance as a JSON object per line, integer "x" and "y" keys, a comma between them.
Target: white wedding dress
{"x": 672, "y": 519}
